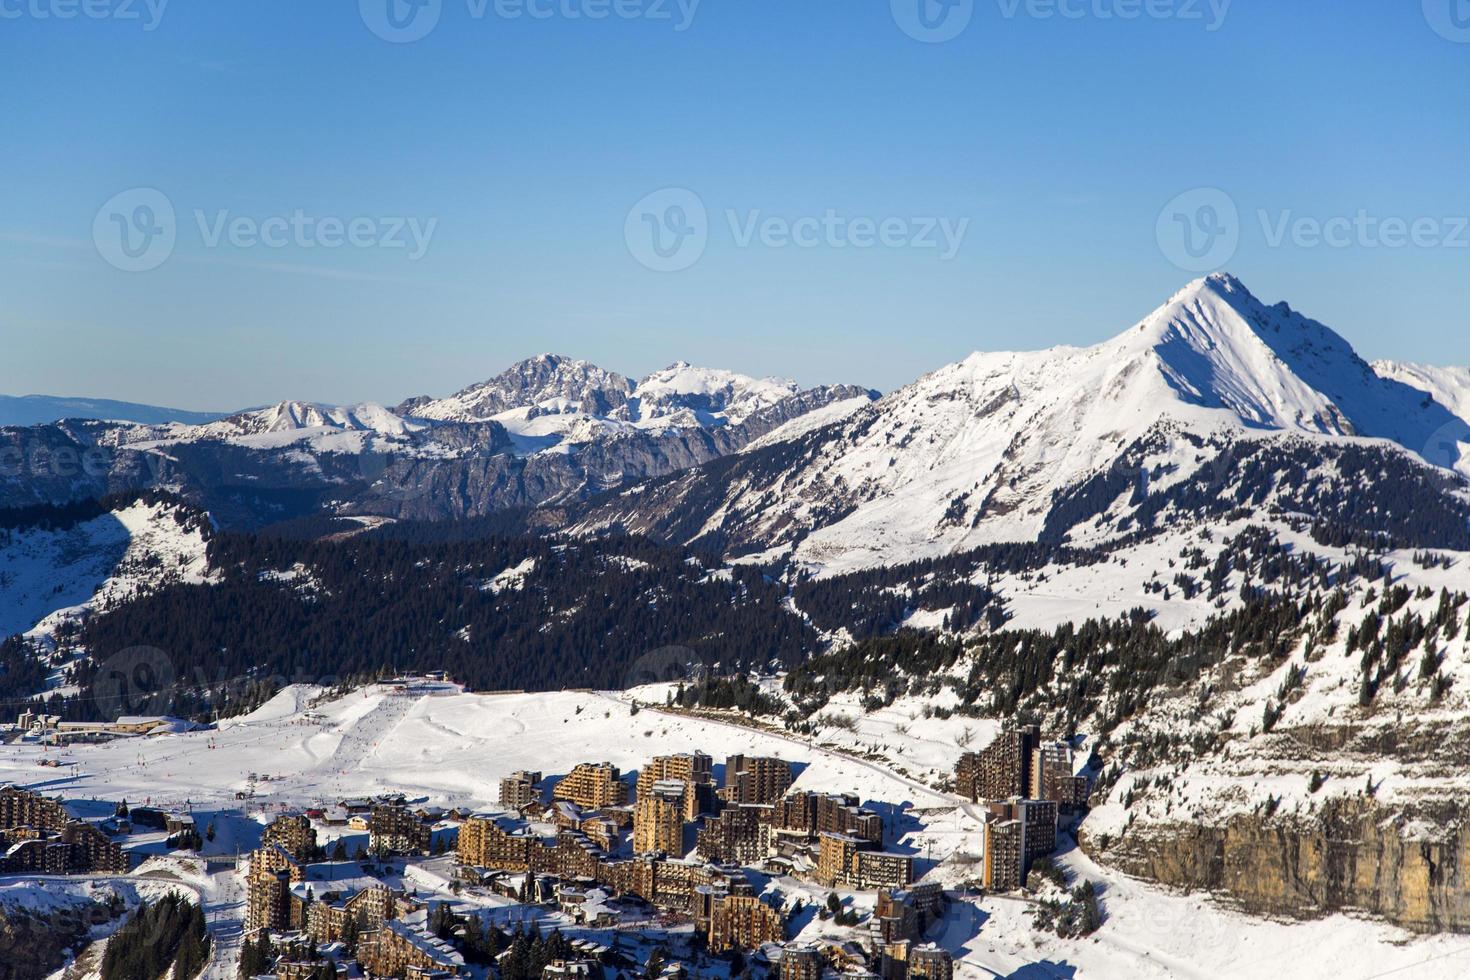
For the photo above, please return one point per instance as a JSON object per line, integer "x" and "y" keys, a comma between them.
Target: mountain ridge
{"x": 26, "y": 410}
{"x": 977, "y": 452}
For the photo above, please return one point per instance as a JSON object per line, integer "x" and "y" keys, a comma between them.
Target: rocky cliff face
{"x": 481, "y": 484}
{"x": 450, "y": 469}
{"x": 34, "y": 945}
{"x": 1413, "y": 870}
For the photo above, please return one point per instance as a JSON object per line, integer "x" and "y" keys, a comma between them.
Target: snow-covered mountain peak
{"x": 293, "y": 415}
{"x": 980, "y": 451}
{"x": 346, "y": 429}
{"x": 1219, "y": 347}
{"x": 548, "y": 382}
{"x": 713, "y": 394}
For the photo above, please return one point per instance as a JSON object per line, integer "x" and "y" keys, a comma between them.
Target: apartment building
{"x": 602, "y": 830}
{"x": 1052, "y": 764}
{"x": 396, "y": 829}
{"x": 853, "y": 862}
{"x": 669, "y": 884}
{"x": 92, "y": 850}
{"x": 813, "y": 814}
{"x": 24, "y": 808}
{"x": 658, "y": 819}
{"x": 398, "y": 949}
{"x": 802, "y": 962}
{"x": 495, "y": 842}
{"x": 880, "y": 869}
{"x": 77, "y": 848}
{"x": 267, "y": 900}
{"x": 929, "y": 962}
{"x": 333, "y": 918}
{"x": 737, "y": 836}
{"x": 519, "y": 789}
{"x": 907, "y": 913}
{"x": 592, "y": 786}
{"x": 1039, "y": 824}
{"x": 755, "y": 779}
{"x": 692, "y": 769}
{"x": 1004, "y": 865}
{"x": 1000, "y": 770}
{"x": 293, "y": 833}
{"x": 37, "y": 855}
{"x": 837, "y": 854}
{"x": 743, "y": 922}
{"x": 276, "y": 858}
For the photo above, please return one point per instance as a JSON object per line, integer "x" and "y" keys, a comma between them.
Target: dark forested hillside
{"x": 494, "y": 611}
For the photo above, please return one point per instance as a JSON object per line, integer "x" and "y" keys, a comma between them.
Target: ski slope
{"x": 449, "y": 747}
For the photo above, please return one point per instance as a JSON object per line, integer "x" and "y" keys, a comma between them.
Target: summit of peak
{"x": 1220, "y": 284}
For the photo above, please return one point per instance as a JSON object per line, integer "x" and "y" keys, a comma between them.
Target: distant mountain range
{"x": 986, "y": 450}
{"x": 1214, "y": 402}
{"x": 983, "y": 451}
{"x": 41, "y": 409}
{"x": 550, "y": 430}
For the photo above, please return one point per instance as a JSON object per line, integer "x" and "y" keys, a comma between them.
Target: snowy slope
{"x": 553, "y": 402}
{"x": 704, "y": 395}
{"x": 451, "y": 748}
{"x": 550, "y": 382}
{"x": 48, "y": 576}
{"x": 322, "y": 428}
{"x": 1449, "y": 386}
{"x": 977, "y": 452}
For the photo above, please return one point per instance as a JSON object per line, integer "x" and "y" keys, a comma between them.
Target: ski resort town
{"x": 682, "y": 868}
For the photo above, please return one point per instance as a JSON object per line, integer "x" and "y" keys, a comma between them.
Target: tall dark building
{"x": 1002, "y": 769}
{"x": 755, "y": 779}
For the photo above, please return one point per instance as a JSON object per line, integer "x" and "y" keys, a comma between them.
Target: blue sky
{"x": 519, "y": 145}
